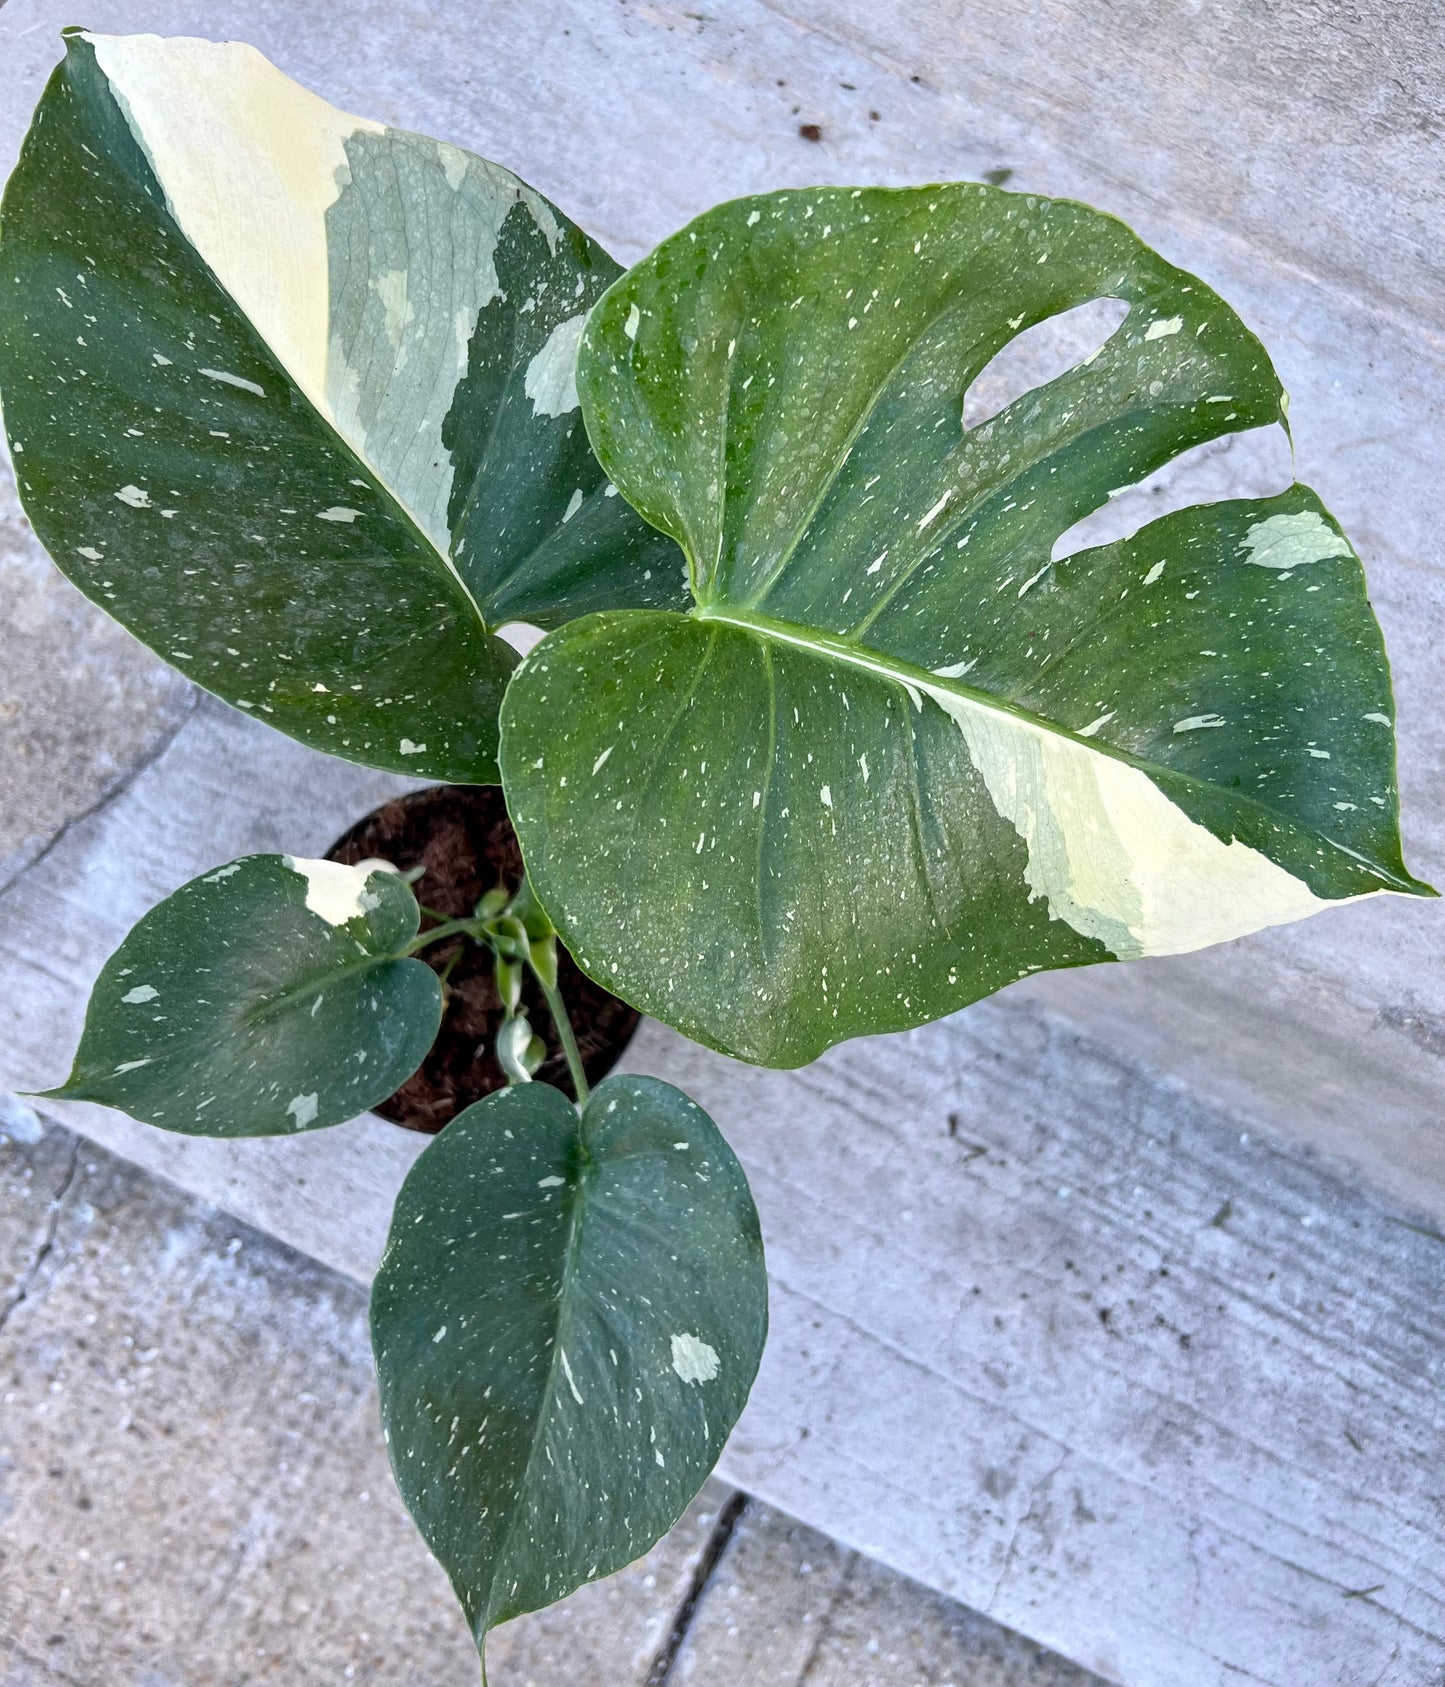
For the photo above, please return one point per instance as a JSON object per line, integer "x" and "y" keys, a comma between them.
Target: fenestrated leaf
{"x": 263, "y": 998}
{"x": 291, "y": 395}
{"x": 567, "y": 1321}
{"x": 895, "y": 757}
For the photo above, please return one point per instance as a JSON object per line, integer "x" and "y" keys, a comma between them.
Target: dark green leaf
{"x": 263, "y": 998}
{"x": 291, "y": 395}
{"x": 567, "y": 1321}
{"x": 895, "y": 756}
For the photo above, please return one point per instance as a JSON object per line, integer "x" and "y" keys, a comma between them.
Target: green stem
{"x": 558, "y": 1009}
{"x": 437, "y": 933}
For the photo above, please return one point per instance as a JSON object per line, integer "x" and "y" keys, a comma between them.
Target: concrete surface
{"x": 83, "y": 706}
{"x": 194, "y": 1492}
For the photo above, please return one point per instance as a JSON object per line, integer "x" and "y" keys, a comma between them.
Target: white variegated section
{"x": 551, "y": 379}
{"x": 253, "y": 167}
{"x": 250, "y": 162}
{"x": 1294, "y": 541}
{"x": 1110, "y": 853}
{"x": 335, "y": 892}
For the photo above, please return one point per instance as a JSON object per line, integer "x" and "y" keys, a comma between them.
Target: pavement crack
{"x": 825, "y": 1622}
{"x": 47, "y": 1242}
{"x": 726, "y": 1523}
{"x": 101, "y": 803}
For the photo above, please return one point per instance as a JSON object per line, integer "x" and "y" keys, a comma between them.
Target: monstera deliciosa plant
{"x": 822, "y": 741}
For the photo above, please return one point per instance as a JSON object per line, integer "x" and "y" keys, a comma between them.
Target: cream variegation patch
{"x": 551, "y": 379}
{"x": 335, "y": 892}
{"x": 1110, "y": 853}
{"x": 249, "y": 162}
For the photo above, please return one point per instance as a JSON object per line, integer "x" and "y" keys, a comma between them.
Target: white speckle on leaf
{"x": 221, "y": 873}
{"x": 131, "y": 1066}
{"x": 1094, "y": 725}
{"x": 1293, "y": 541}
{"x": 754, "y": 217}
{"x": 337, "y": 512}
{"x": 633, "y": 323}
{"x": 825, "y": 796}
{"x": 597, "y": 765}
{"x": 440, "y": 1336}
{"x": 1195, "y": 723}
{"x": 571, "y": 1380}
{"x": 693, "y": 1359}
{"x": 551, "y": 379}
{"x": 1154, "y": 573}
{"x": 303, "y": 1109}
{"x": 936, "y": 511}
{"x": 407, "y": 748}
{"x": 89, "y": 552}
{"x": 551, "y": 1183}
{"x": 234, "y": 381}
{"x": 1379, "y": 719}
{"x": 141, "y": 993}
{"x": 135, "y": 497}
{"x": 161, "y": 359}
{"x": 574, "y": 503}
{"x": 1162, "y": 329}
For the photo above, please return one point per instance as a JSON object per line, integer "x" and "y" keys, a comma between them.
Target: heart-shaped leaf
{"x": 266, "y": 997}
{"x": 291, "y": 395}
{"x": 896, "y": 757}
{"x": 567, "y": 1321}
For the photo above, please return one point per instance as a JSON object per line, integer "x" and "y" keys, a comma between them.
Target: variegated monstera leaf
{"x": 896, "y": 756}
{"x": 291, "y": 394}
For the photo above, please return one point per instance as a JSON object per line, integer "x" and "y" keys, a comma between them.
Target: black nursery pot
{"x": 461, "y": 835}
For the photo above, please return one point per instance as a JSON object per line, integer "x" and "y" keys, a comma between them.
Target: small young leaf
{"x": 291, "y": 395}
{"x": 567, "y": 1321}
{"x": 265, "y": 997}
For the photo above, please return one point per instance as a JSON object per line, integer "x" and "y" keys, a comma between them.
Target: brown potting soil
{"x": 463, "y": 838}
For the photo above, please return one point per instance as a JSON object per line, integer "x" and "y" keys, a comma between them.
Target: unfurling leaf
{"x": 567, "y": 1321}
{"x": 291, "y": 394}
{"x": 265, "y": 997}
{"x": 895, "y": 756}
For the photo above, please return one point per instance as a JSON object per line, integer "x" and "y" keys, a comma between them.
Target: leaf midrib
{"x": 897, "y": 671}
{"x": 566, "y": 1274}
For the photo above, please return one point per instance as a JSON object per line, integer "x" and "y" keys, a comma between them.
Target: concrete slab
{"x": 194, "y": 1490}
{"x": 83, "y": 706}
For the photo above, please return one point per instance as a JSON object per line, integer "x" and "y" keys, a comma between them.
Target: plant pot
{"x": 461, "y": 835}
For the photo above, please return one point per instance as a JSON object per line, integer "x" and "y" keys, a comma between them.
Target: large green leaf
{"x": 895, "y": 757}
{"x": 567, "y": 1321}
{"x": 266, "y": 997}
{"x": 291, "y": 395}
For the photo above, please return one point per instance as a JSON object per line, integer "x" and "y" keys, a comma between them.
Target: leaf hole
{"x": 1039, "y": 355}
{"x": 1253, "y": 464}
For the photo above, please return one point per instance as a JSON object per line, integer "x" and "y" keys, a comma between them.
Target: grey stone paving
{"x": 83, "y": 705}
{"x": 194, "y": 1492}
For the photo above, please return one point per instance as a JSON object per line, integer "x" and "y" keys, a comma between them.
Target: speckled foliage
{"x": 290, "y": 394}
{"x": 269, "y": 996}
{"x": 567, "y": 1321}
{"x": 895, "y": 756}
